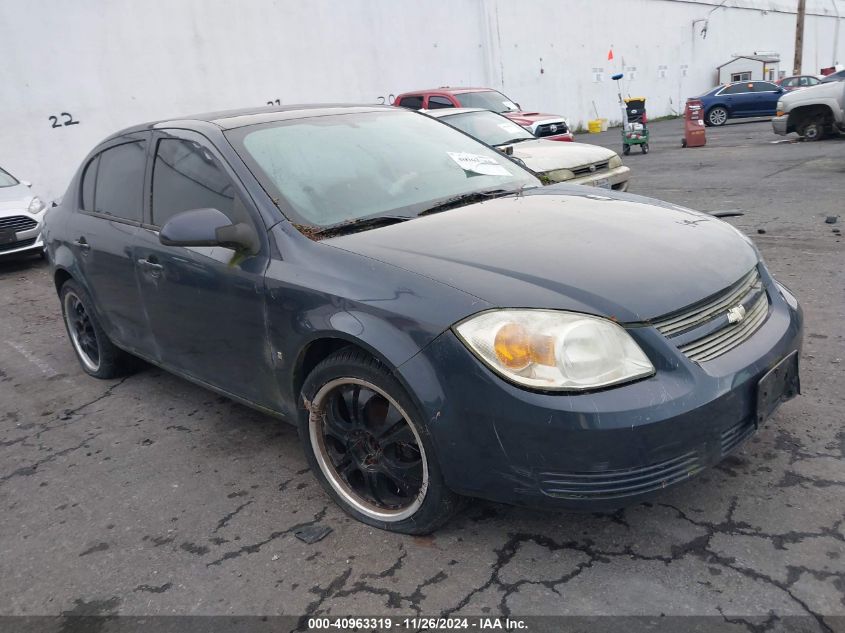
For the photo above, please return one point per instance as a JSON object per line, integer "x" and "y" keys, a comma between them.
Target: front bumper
{"x": 780, "y": 124}
{"x": 26, "y": 241}
{"x": 614, "y": 179}
{"x": 601, "y": 450}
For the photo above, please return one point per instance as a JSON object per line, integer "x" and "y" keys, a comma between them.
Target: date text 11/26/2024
{"x": 416, "y": 623}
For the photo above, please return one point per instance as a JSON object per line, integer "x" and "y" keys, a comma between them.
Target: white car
{"x": 21, "y": 216}
{"x": 575, "y": 163}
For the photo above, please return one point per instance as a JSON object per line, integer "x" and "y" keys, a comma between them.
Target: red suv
{"x": 552, "y": 127}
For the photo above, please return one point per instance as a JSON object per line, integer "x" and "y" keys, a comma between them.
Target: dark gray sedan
{"x": 436, "y": 323}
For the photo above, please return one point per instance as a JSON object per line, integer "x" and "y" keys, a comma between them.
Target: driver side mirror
{"x": 208, "y": 227}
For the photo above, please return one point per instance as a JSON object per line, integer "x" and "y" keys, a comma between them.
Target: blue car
{"x": 436, "y": 322}
{"x": 738, "y": 100}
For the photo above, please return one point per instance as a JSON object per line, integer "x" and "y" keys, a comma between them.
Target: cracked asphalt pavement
{"x": 150, "y": 495}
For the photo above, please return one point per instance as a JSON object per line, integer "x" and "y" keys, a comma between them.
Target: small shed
{"x": 749, "y": 68}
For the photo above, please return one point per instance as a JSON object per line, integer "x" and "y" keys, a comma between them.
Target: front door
{"x": 205, "y": 305}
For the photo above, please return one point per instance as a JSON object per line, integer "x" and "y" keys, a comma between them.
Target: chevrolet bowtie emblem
{"x": 736, "y": 314}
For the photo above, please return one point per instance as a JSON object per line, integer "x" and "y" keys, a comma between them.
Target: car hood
{"x": 542, "y": 156}
{"x": 831, "y": 90}
{"x": 15, "y": 198}
{"x": 527, "y": 118}
{"x": 615, "y": 255}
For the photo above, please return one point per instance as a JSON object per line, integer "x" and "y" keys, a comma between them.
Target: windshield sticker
{"x": 511, "y": 128}
{"x": 478, "y": 164}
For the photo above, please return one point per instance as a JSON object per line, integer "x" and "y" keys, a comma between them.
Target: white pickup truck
{"x": 812, "y": 112}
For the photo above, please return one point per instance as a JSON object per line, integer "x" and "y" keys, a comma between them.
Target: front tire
{"x": 98, "y": 356}
{"x": 813, "y": 130}
{"x": 364, "y": 442}
{"x": 717, "y": 116}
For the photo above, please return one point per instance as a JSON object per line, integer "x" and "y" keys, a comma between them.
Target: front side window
{"x": 488, "y": 100}
{"x": 436, "y": 103}
{"x": 335, "y": 169}
{"x": 489, "y": 127}
{"x": 7, "y": 179}
{"x": 186, "y": 176}
{"x": 120, "y": 181}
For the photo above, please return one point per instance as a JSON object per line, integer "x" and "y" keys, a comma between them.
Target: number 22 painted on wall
{"x": 69, "y": 120}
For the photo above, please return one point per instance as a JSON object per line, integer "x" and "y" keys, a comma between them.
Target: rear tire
{"x": 365, "y": 443}
{"x": 97, "y": 355}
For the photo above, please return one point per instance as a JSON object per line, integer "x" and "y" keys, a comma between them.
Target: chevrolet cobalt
{"x": 436, "y": 323}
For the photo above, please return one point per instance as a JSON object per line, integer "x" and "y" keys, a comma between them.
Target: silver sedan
{"x": 21, "y": 215}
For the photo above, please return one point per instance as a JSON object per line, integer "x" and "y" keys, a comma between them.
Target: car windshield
{"x": 488, "y": 100}
{"x": 489, "y": 127}
{"x": 7, "y": 179}
{"x": 327, "y": 170}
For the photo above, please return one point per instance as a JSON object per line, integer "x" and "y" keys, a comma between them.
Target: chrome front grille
{"x": 586, "y": 170}
{"x": 717, "y": 333}
{"x": 17, "y": 223}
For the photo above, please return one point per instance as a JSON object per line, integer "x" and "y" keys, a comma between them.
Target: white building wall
{"x": 114, "y": 63}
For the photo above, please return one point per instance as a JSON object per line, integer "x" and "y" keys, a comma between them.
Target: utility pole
{"x": 799, "y": 38}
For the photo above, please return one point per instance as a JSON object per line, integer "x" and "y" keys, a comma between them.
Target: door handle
{"x": 83, "y": 244}
{"x": 152, "y": 266}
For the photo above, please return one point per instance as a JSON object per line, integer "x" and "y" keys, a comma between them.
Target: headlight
{"x": 554, "y": 350}
{"x": 615, "y": 162}
{"x": 558, "y": 175}
{"x": 36, "y": 205}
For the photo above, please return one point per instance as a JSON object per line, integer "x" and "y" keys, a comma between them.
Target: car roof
{"x": 447, "y": 90}
{"x": 231, "y": 119}
{"x": 441, "y": 112}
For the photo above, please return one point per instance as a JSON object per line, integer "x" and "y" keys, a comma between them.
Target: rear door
{"x": 205, "y": 304}
{"x": 766, "y": 95}
{"x": 103, "y": 234}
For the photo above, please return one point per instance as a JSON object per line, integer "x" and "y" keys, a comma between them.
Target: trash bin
{"x": 694, "y": 135}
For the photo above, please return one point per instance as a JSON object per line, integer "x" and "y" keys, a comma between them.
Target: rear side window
{"x": 764, "y": 86}
{"x": 120, "y": 181}
{"x": 435, "y": 103}
{"x": 89, "y": 179}
{"x": 186, "y": 176}
{"x": 414, "y": 102}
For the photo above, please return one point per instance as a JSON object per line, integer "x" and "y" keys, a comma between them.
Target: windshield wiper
{"x": 469, "y": 198}
{"x": 351, "y": 226}
{"x": 513, "y": 141}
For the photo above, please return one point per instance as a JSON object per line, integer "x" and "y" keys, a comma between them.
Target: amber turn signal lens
{"x": 780, "y": 113}
{"x": 516, "y": 347}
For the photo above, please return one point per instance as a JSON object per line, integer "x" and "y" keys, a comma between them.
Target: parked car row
{"x": 436, "y": 322}
{"x": 550, "y": 126}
